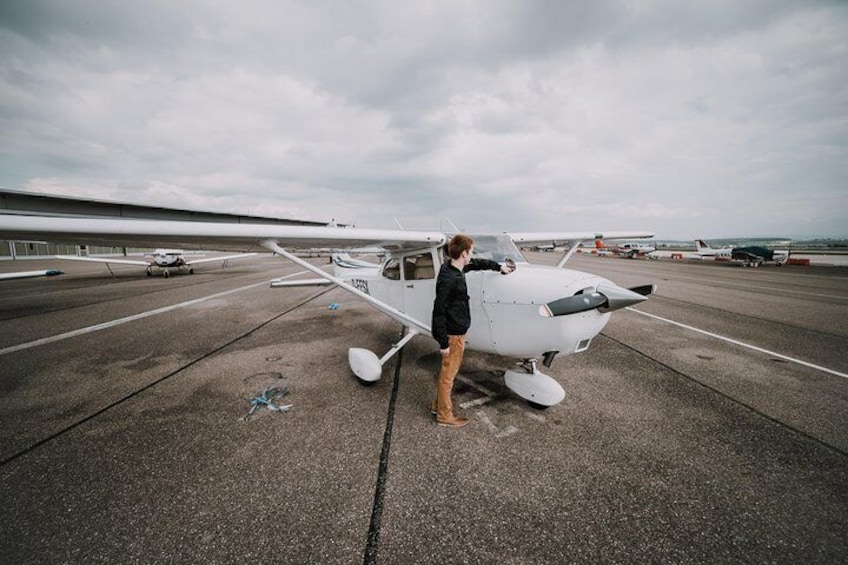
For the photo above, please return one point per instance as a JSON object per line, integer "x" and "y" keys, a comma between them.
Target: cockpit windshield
{"x": 497, "y": 248}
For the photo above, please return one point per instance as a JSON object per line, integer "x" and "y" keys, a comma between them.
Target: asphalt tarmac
{"x": 123, "y": 438}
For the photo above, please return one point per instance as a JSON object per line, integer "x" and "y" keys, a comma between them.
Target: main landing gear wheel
{"x": 363, "y": 382}
{"x": 365, "y": 365}
{"x": 167, "y": 274}
{"x": 537, "y": 406}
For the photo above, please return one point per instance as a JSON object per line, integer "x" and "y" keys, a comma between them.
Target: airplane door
{"x": 389, "y": 287}
{"x": 419, "y": 285}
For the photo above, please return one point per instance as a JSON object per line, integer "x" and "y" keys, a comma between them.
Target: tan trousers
{"x": 447, "y": 374}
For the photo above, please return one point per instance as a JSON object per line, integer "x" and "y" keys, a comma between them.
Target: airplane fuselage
{"x": 504, "y": 308}
{"x": 628, "y": 249}
{"x": 638, "y": 248}
{"x": 168, "y": 258}
{"x": 750, "y": 255}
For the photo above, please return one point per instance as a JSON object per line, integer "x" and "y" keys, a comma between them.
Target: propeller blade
{"x": 572, "y": 304}
{"x": 645, "y": 289}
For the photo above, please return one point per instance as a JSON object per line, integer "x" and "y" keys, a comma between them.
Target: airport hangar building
{"x": 28, "y": 203}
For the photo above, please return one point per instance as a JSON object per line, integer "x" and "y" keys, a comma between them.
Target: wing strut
{"x": 572, "y": 249}
{"x": 379, "y": 305}
{"x": 364, "y": 363}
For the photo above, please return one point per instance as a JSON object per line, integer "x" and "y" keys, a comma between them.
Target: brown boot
{"x": 453, "y": 422}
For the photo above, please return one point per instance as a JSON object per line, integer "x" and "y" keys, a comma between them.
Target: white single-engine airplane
{"x": 167, "y": 260}
{"x": 628, "y": 249}
{"x": 535, "y": 313}
{"x": 751, "y": 256}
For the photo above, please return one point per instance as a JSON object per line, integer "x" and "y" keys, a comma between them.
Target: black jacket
{"x": 451, "y": 314}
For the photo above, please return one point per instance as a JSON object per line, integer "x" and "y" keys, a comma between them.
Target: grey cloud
{"x": 505, "y": 115}
{"x": 145, "y": 25}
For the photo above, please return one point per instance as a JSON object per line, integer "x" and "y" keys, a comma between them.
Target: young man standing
{"x": 452, "y": 318}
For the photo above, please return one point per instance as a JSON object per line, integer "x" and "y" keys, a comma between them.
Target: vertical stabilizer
{"x": 703, "y": 248}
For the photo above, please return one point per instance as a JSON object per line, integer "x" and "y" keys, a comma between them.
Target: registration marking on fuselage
{"x": 134, "y": 317}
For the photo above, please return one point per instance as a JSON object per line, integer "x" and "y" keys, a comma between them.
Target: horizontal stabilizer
{"x": 108, "y": 260}
{"x": 30, "y": 274}
{"x": 301, "y": 282}
{"x": 226, "y": 258}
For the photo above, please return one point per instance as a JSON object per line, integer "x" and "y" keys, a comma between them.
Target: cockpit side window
{"x": 419, "y": 267}
{"x": 391, "y": 270}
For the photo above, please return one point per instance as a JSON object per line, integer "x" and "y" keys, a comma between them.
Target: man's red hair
{"x": 458, "y": 244}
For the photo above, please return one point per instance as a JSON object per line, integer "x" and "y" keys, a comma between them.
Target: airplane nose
{"x": 605, "y": 298}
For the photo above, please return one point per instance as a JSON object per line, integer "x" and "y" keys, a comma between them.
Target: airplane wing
{"x": 104, "y": 260}
{"x": 573, "y": 239}
{"x": 211, "y": 236}
{"x": 240, "y": 237}
{"x": 560, "y": 238}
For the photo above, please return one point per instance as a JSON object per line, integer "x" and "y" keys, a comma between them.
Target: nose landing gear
{"x": 537, "y": 388}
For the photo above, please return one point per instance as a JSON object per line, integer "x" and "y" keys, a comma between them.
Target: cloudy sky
{"x": 714, "y": 119}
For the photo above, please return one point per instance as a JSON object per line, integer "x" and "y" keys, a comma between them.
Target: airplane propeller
{"x": 605, "y": 298}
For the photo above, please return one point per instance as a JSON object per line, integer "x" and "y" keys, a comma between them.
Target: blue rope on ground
{"x": 268, "y": 398}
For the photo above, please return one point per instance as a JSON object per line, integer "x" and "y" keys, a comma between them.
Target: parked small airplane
{"x": 535, "y": 313}
{"x": 751, "y": 256}
{"x": 166, "y": 259}
{"x": 629, "y": 249}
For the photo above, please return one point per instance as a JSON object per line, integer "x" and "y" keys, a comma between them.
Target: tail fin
{"x": 344, "y": 261}
{"x": 599, "y": 244}
{"x": 703, "y": 248}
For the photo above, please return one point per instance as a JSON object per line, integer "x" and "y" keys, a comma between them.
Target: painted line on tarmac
{"x": 134, "y": 317}
{"x": 480, "y": 401}
{"x": 743, "y": 344}
{"x": 493, "y": 429}
{"x": 490, "y": 396}
{"x": 375, "y": 525}
{"x": 754, "y": 288}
